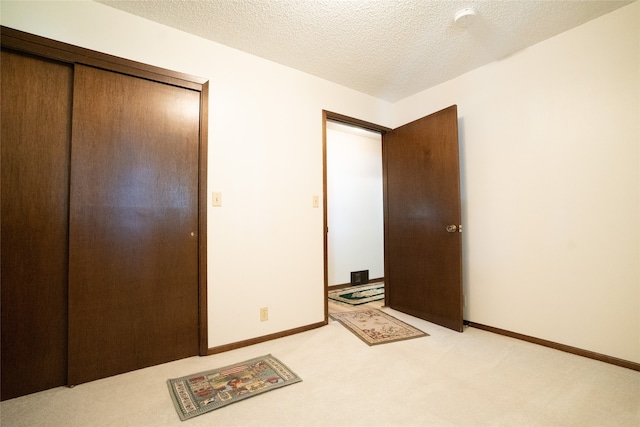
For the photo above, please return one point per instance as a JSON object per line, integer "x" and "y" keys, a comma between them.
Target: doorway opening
{"x": 355, "y": 240}
{"x": 353, "y": 201}
{"x": 421, "y": 216}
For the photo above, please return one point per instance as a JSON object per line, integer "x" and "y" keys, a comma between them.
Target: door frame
{"x": 47, "y": 48}
{"x": 327, "y": 115}
{"x": 340, "y": 118}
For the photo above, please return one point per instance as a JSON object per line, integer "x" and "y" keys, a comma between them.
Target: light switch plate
{"x": 217, "y": 199}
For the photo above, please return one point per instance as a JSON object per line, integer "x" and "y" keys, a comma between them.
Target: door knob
{"x": 452, "y": 228}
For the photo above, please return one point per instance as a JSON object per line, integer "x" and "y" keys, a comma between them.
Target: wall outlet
{"x": 264, "y": 314}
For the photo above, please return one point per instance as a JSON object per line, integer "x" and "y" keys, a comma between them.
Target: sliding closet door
{"x": 36, "y": 124}
{"x": 133, "y": 238}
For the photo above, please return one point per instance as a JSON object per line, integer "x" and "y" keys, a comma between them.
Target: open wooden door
{"x": 423, "y": 245}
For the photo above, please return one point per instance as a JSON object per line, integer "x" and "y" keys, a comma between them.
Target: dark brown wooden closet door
{"x": 133, "y": 246}
{"x": 36, "y": 124}
{"x": 423, "y": 260}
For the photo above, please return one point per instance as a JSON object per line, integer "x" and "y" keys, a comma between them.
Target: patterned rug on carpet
{"x": 375, "y": 327}
{"x": 199, "y": 393}
{"x": 357, "y": 295}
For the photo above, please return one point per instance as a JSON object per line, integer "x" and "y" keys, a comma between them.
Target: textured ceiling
{"x": 389, "y": 49}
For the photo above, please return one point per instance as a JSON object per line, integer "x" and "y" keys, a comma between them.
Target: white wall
{"x": 354, "y": 203}
{"x": 550, "y": 186}
{"x": 550, "y": 175}
{"x": 265, "y": 244}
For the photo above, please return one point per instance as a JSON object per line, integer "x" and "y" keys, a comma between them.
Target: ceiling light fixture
{"x": 464, "y": 17}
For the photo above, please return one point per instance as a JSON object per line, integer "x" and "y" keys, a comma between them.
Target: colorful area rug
{"x": 375, "y": 327}
{"x": 199, "y": 393}
{"x": 357, "y": 295}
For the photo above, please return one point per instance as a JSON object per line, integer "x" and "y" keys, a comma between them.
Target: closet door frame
{"x": 63, "y": 52}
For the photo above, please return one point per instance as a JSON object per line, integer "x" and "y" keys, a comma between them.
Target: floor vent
{"x": 360, "y": 277}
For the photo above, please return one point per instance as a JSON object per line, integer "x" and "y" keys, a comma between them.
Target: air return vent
{"x": 360, "y": 277}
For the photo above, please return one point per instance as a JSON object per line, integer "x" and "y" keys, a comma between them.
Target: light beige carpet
{"x": 474, "y": 378}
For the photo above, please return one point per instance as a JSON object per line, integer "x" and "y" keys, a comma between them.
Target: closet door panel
{"x": 36, "y": 122}
{"x": 133, "y": 242}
